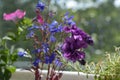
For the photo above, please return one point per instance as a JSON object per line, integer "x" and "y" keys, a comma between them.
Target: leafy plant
{"x": 7, "y": 57}
{"x": 106, "y": 69}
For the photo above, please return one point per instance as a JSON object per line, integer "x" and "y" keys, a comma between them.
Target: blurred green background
{"x": 99, "y": 18}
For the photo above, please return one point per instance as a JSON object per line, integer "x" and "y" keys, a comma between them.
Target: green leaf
{"x": 2, "y": 64}
{"x": 4, "y": 52}
{"x": 4, "y": 55}
{"x": 20, "y": 30}
{"x": 7, "y": 74}
{"x": 24, "y": 23}
{"x": 11, "y": 68}
{"x": 13, "y": 56}
{"x": 7, "y": 38}
{"x": 4, "y": 58}
{"x": 27, "y": 22}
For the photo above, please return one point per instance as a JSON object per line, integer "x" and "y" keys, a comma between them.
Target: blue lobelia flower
{"x": 36, "y": 62}
{"x": 53, "y": 27}
{"x": 68, "y": 20}
{"x": 71, "y": 22}
{"x": 30, "y": 35}
{"x": 50, "y": 59}
{"x": 60, "y": 28}
{"x": 40, "y": 6}
{"x": 36, "y": 51}
{"x": 53, "y": 24}
{"x": 66, "y": 16}
{"x": 58, "y": 62}
{"x": 45, "y": 47}
{"x": 34, "y": 27}
{"x": 22, "y": 53}
{"x": 52, "y": 38}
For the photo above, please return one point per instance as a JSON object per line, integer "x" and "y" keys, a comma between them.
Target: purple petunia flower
{"x": 70, "y": 44}
{"x": 71, "y": 48}
{"x": 74, "y": 56}
{"x": 71, "y": 29}
{"x": 79, "y": 35}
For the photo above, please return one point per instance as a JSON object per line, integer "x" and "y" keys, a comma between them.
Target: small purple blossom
{"x": 34, "y": 27}
{"x": 36, "y": 51}
{"x": 22, "y": 53}
{"x": 58, "y": 62}
{"x": 53, "y": 27}
{"x": 52, "y": 38}
{"x": 42, "y": 27}
{"x": 51, "y": 13}
{"x": 53, "y": 24}
{"x": 66, "y": 16}
{"x": 68, "y": 20}
{"x": 71, "y": 22}
{"x": 30, "y": 35}
{"x": 60, "y": 28}
{"x": 40, "y": 6}
{"x": 50, "y": 59}
{"x": 45, "y": 47}
{"x": 36, "y": 62}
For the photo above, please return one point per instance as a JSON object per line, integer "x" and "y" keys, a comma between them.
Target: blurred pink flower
{"x": 18, "y": 14}
{"x": 40, "y": 19}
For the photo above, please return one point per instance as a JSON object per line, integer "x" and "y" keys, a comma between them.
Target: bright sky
{"x": 117, "y": 3}
{"x": 74, "y": 4}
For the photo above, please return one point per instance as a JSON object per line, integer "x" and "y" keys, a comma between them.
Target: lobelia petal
{"x": 52, "y": 38}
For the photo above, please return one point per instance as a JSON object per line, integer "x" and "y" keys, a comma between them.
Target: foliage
{"x": 8, "y": 49}
{"x": 7, "y": 57}
{"x": 106, "y": 69}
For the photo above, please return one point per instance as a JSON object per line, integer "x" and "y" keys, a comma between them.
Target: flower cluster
{"x": 47, "y": 48}
{"x": 73, "y": 45}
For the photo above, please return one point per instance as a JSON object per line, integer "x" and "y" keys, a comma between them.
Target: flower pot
{"x": 67, "y": 75}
